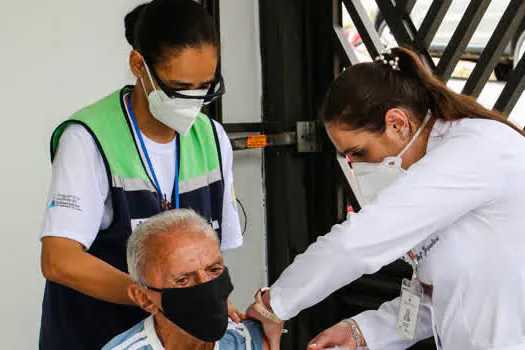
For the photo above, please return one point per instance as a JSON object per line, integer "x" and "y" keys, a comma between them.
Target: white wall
{"x": 55, "y": 57}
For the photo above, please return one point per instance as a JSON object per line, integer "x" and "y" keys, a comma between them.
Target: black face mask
{"x": 201, "y": 310}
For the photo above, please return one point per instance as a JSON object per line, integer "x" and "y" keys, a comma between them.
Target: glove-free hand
{"x": 234, "y": 314}
{"x": 272, "y": 325}
{"x": 339, "y": 336}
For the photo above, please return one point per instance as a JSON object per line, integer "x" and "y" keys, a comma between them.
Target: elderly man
{"x": 175, "y": 260}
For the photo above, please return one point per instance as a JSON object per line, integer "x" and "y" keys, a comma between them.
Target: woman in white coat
{"x": 441, "y": 183}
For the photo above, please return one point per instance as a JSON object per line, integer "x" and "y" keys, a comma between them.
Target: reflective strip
{"x": 186, "y": 186}
{"x": 136, "y": 184}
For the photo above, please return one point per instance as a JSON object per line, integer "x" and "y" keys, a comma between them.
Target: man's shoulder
{"x": 239, "y": 334}
{"x": 133, "y": 339}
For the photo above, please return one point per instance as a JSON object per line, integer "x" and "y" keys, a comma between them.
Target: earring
{"x": 405, "y": 132}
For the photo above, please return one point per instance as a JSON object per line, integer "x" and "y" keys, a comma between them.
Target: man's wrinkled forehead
{"x": 182, "y": 252}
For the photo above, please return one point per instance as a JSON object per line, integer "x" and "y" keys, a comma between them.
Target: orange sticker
{"x": 257, "y": 141}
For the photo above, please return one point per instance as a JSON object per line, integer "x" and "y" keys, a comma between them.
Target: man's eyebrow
{"x": 218, "y": 261}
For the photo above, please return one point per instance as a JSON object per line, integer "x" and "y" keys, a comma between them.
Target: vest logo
{"x": 65, "y": 201}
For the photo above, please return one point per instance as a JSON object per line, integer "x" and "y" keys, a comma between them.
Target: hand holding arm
{"x": 272, "y": 325}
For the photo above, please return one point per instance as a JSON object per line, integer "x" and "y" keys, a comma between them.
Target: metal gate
{"x": 397, "y": 17}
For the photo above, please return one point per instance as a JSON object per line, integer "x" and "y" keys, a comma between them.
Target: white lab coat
{"x": 462, "y": 207}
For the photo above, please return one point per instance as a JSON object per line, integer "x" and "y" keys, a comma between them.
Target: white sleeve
{"x": 231, "y": 226}
{"x": 79, "y": 188}
{"x": 379, "y": 326}
{"x": 434, "y": 193}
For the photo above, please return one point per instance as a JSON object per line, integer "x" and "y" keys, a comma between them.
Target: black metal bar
{"x": 394, "y": 20}
{"x": 461, "y": 37}
{"x": 347, "y": 51}
{"x": 408, "y": 5}
{"x": 512, "y": 90}
{"x": 403, "y": 28}
{"x": 337, "y": 19}
{"x": 507, "y": 26}
{"x": 433, "y": 19}
{"x": 242, "y": 127}
{"x": 364, "y": 26}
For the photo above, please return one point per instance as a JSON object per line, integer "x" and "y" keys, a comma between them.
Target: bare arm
{"x": 64, "y": 261}
{"x": 272, "y": 329}
{"x": 266, "y": 346}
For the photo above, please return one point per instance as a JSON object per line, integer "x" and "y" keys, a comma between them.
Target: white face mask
{"x": 178, "y": 114}
{"x": 372, "y": 178}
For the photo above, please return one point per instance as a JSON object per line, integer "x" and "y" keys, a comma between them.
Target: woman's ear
{"x": 136, "y": 64}
{"x": 397, "y": 122}
{"x": 141, "y": 297}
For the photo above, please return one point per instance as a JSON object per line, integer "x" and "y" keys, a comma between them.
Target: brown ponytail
{"x": 362, "y": 94}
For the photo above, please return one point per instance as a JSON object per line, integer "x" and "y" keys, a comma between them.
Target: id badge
{"x": 411, "y": 293}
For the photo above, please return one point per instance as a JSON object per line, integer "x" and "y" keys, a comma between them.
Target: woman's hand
{"x": 340, "y": 335}
{"x": 235, "y": 315}
{"x": 273, "y": 328}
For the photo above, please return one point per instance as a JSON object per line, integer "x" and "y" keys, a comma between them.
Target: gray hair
{"x": 173, "y": 222}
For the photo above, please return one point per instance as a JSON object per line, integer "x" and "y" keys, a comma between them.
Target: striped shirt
{"x": 246, "y": 335}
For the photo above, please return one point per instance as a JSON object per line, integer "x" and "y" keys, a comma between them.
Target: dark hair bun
{"x": 162, "y": 27}
{"x": 130, "y": 23}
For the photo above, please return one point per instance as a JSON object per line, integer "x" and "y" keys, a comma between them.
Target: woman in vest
{"x": 141, "y": 150}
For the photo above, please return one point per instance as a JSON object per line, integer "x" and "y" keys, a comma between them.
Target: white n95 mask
{"x": 372, "y": 178}
{"x": 176, "y": 113}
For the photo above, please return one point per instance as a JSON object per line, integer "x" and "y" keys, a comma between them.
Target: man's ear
{"x": 140, "y": 296}
{"x": 397, "y": 122}
{"x": 136, "y": 64}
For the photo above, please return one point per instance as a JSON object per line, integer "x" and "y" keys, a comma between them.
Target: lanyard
{"x": 415, "y": 262}
{"x": 164, "y": 202}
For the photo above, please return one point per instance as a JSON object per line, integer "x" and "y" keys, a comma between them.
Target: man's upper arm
{"x": 238, "y": 335}
{"x": 78, "y": 189}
